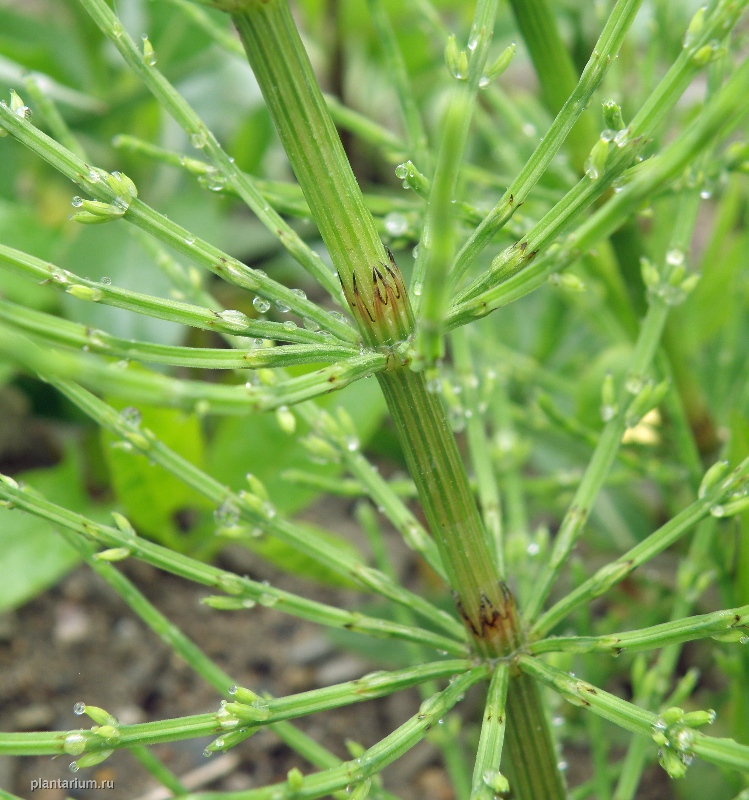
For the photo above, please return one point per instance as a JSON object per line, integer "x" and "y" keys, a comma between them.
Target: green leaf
{"x": 21, "y": 227}
{"x": 34, "y": 557}
{"x": 150, "y": 497}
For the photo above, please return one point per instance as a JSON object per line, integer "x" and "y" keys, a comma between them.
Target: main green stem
{"x": 379, "y": 303}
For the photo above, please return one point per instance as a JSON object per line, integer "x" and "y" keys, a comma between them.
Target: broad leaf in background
{"x": 34, "y": 557}
{"x": 158, "y": 504}
{"x": 257, "y": 444}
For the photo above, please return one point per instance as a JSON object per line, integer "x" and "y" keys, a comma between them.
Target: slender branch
{"x": 720, "y": 114}
{"x": 720, "y": 624}
{"x": 50, "y": 328}
{"x": 723, "y": 752}
{"x": 170, "y": 99}
{"x": 486, "y": 780}
{"x": 237, "y": 588}
{"x": 96, "y": 182}
{"x": 603, "y": 457}
{"x": 629, "y": 144}
{"x": 618, "y": 570}
{"x": 222, "y": 321}
{"x": 415, "y": 132}
{"x": 572, "y": 106}
{"x": 438, "y": 235}
{"x": 376, "y": 684}
{"x": 285, "y": 197}
{"x": 198, "y": 396}
{"x": 252, "y": 508}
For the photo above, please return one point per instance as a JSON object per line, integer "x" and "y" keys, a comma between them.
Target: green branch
{"x": 733, "y": 623}
{"x": 197, "y": 396}
{"x": 666, "y": 535}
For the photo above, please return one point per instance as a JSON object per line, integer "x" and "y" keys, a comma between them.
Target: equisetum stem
{"x": 379, "y": 303}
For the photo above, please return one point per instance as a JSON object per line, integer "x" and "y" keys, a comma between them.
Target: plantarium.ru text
{"x": 506, "y": 253}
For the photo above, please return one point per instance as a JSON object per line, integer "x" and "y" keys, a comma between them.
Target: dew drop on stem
{"x": 131, "y": 416}
{"x": 74, "y": 744}
{"x": 261, "y": 305}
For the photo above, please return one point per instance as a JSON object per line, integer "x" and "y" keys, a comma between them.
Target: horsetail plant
{"x": 581, "y": 189}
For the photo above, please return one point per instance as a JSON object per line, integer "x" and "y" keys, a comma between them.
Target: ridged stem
{"x": 380, "y": 305}
{"x": 530, "y": 757}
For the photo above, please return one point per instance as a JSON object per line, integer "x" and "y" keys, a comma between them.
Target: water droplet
{"x": 675, "y": 257}
{"x": 401, "y": 171}
{"x": 415, "y": 251}
{"x": 290, "y": 325}
{"x": 130, "y": 416}
{"x": 418, "y": 289}
{"x": 484, "y": 81}
{"x": 718, "y": 511}
{"x": 529, "y": 130}
{"x": 214, "y": 180}
{"x": 73, "y": 766}
{"x": 267, "y": 599}
{"x": 106, "y": 281}
{"x": 235, "y": 320}
{"x": 76, "y": 202}
{"x": 207, "y": 753}
{"x": 261, "y": 304}
{"x": 533, "y": 549}
{"x": 299, "y": 293}
{"x": 310, "y": 324}
{"x": 608, "y": 135}
{"x": 337, "y": 316}
{"x": 190, "y": 239}
{"x": 226, "y": 515}
{"x": 282, "y": 307}
{"x": 198, "y": 140}
{"x": 396, "y": 224}
{"x": 75, "y": 744}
